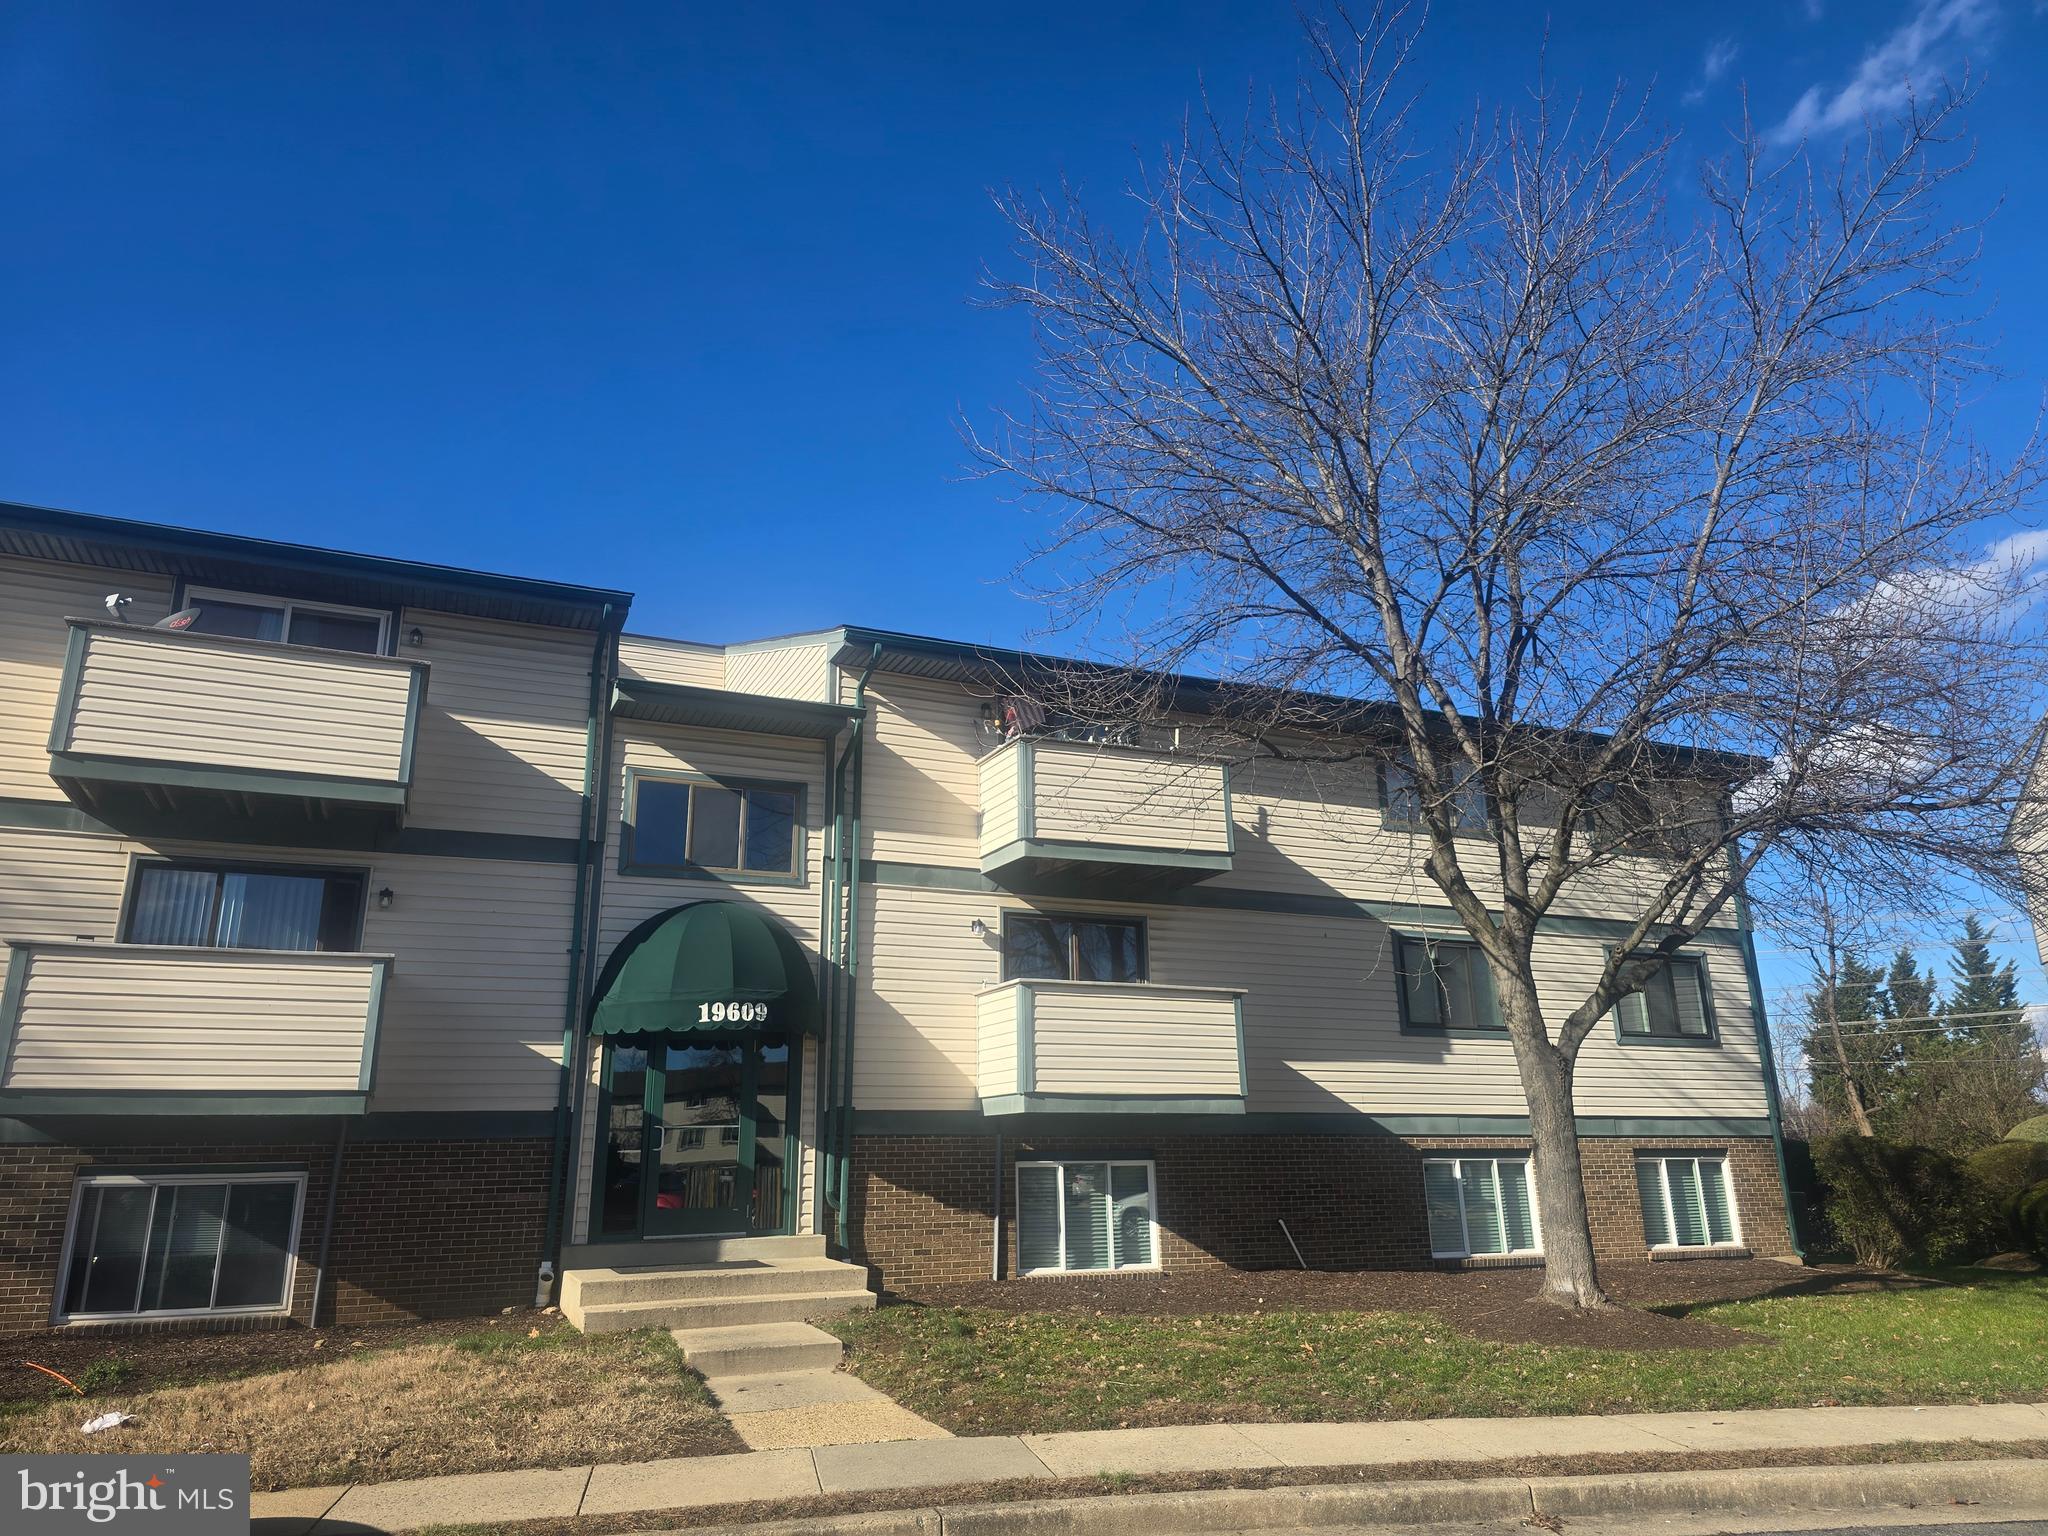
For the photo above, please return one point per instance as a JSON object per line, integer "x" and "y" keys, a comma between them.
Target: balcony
{"x": 1110, "y": 1047}
{"x": 1085, "y": 818}
{"x": 171, "y": 1029}
{"x": 161, "y": 731}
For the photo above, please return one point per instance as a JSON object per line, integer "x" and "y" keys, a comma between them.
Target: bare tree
{"x": 1657, "y": 530}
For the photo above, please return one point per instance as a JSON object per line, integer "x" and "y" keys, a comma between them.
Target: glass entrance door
{"x": 696, "y": 1136}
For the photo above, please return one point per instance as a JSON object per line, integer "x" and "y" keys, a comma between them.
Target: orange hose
{"x": 74, "y": 1386}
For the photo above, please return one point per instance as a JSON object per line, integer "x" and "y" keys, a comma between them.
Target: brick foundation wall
{"x": 922, "y": 1205}
{"x": 422, "y": 1229}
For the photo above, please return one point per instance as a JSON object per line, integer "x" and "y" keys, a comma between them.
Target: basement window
{"x": 1079, "y": 1216}
{"x": 184, "y": 1245}
{"x": 1687, "y": 1202}
{"x": 1480, "y": 1206}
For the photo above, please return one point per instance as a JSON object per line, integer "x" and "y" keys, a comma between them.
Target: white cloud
{"x": 1720, "y": 55}
{"x": 1921, "y": 46}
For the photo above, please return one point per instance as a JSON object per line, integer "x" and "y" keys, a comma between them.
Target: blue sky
{"x": 679, "y": 297}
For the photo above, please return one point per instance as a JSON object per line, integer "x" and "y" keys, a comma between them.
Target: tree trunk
{"x": 1857, "y": 1112}
{"x": 1570, "y": 1276}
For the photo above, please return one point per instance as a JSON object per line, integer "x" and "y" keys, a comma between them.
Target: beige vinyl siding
{"x": 117, "y": 1017}
{"x": 199, "y": 700}
{"x": 800, "y": 669}
{"x": 60, "y": 885}
{"x": 473, "y": 1010}
{"x": 503, "y": 736}
{"x": 1121, "y": 795}
{"x": 1114, "y": 1041}
{"x": 1321, "y": 1019}
{"x": 35, "y": 599}
{"x": 920, "y": 797}
{"x": 1002, "y": 806}
{"x": 587, "y": 1164}
{"x": 671, "y": 661}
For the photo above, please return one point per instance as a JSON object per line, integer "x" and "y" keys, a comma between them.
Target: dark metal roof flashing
{"x": 718, "y": 709}
{"x": 299, "y": 570}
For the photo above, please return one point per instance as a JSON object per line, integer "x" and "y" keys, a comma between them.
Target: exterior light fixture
{"x": 415, "y": 637}
{"x": 978, "y": 928}
{"x": 384, "y": 899}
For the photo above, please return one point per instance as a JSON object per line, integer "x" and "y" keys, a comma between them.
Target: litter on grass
{"x": 106, "y": 1421}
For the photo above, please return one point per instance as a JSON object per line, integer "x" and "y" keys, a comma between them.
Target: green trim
{"x": 174, "y": 1170}
{"x": 244, "y": 781}
{"x": 1087, "y": 1121}
{"x": 1023, "y": 848}
{"x": 1092, "y": 1104}
{"x": 29, "y": 1103}
{"x": 411, "y": 842}
{"x": 415, "y": 696}
{"x": 1394, "y": 914}
{"x": 67, "y": 690}
{"x": 10, "y": 1002}
{"x": 1027, "y": 1039}
{"x": 373, "y": 1024}
{"x": 799, "y": 876}
{"x": 719, "y": 709}
{"x": 114, "y": 1123}
{"x": 1027, "y": 793}
{"x": 1498, "y": 1030}
{"x": 1244, "y": 1086}
{"x": 1767, "y": 1062}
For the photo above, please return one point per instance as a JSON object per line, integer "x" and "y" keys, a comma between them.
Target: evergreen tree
{"x": 1971, "y": 1072}
{"x": 1844, "y": 1021}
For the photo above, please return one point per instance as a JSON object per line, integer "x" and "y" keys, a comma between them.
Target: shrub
{"x": 1893, "y": 1202}
{"x": 2035, "y": 1129}
{"x": 2004, "y": 1169}
{"x": 2030, "y": 1219}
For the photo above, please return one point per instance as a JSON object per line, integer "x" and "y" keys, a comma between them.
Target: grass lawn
{"x": 978, "y": 1370}
{"x": 463, "y": 1401}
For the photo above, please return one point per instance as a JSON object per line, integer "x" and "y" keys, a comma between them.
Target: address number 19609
{"x": 732, "y": 1013}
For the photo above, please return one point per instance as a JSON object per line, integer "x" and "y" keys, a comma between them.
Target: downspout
{"x": 849, "y": 937}
{"x": 327, "y": 1222}
{"x": 1769, "y": 1061}
{"x": 587, "y": 864}
{"x": 828, "y": 882}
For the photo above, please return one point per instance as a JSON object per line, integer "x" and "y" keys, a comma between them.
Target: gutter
{"x": 846, "y": 950}
{"x": 589, "y": 873}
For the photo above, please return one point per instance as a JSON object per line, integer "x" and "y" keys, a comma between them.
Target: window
{"x": 181, "y": 1244}
{"x": 1401, "y": 798}
{"x": 246, "y": 617}
{"x": 1040, "y": 948}
{"x": 1479, "y": 1205}
{"x": 1673, "y": 1005}
{"x": 245, "y": 907}
{"x": 686, "y": 824}
{"x": 1686, "y": 1202}
{"x": 1445, "y": 984}
{"x": 1079, "y": 1216}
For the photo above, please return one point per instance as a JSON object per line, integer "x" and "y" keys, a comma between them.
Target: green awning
{"x": 707, "y": 967}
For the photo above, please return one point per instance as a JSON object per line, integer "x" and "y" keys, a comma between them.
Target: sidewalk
{"x": 698, "y": 1481}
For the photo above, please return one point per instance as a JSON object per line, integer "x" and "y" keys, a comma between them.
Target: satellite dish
{"x": 184, "y": 618}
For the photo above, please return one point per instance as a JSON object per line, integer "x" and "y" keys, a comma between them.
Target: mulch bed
{"x": 173, "y": 1359}
{"x": 1497, "y": 1304}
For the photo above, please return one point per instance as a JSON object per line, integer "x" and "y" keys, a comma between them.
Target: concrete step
{"x": 758, "y": 1348}
{"x": 605, "y": 1287}
{"x": 639, "y": 1253}
{"x": 718, "y": 1311}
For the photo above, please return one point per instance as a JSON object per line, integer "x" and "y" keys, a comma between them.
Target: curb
{"x": 1761, "y": 1491}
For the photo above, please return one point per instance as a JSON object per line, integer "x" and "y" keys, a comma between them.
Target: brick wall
{"x": 422, "y": 1229}
{"x": 922, "y": 1204}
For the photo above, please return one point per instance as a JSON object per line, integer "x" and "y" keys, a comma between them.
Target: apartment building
{"x": 388, "y": 940}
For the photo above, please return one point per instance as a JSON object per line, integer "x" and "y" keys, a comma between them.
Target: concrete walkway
{"x": 697, "y": 1481}
{"x": 794, "y": 1410}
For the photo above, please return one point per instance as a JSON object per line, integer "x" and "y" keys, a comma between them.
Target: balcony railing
{"x": 1091, "y": 1047}
{"x": 86, "y": 1027}
{"x": 1052, "y": 807}
{"x": 152, "y": 720}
